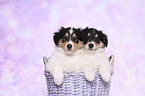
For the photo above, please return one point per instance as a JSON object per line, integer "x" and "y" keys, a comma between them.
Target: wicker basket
{"x": 75, "y": 84}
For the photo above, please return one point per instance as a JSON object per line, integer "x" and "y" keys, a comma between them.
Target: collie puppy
{"x": 68, "y": 54}
{"x": 95, "y": 43}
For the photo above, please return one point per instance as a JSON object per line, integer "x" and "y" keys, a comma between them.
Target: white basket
{"x": 75, "y": 84}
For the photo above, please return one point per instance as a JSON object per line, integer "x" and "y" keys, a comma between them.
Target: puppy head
{"x": 94, "y": 39}
{"x": 69, "y": 39}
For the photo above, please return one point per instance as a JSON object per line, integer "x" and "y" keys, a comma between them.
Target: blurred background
{"x": 26, "y": 35}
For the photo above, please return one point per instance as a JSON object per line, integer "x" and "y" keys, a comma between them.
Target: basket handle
{"x": 45, "y": 60}
{"x": 111, "y": 61}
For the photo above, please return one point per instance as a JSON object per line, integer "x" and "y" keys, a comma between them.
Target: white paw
{"x": 90, "y": 75}
{"x": 58, "y": 79}
{"x": 106, "y": 77}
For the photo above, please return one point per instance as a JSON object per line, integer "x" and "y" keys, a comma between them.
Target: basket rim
{"x": 72, "y": 73}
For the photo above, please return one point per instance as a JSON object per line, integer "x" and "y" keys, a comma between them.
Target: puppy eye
{"x": 75, "y": 40}
{"x": 64, "y": 39}
{"x": 97, "y": 40}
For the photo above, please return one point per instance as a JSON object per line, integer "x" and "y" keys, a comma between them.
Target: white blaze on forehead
{"x": 70, "y": 42}
{"x": 71, "y": 31}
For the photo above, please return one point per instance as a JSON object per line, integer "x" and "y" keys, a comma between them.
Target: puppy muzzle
{"x": 69, "y": 46}
{"x": 91, "y": 46}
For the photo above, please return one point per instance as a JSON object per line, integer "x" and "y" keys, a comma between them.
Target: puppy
{"x": 95, "y": 43}
{"x": 67, "y": 55}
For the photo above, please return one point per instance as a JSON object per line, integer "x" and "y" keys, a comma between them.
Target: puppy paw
{"x": 106, "y": 77}
{"x": 58, "y": 79}
{"x": 90, "y": 77}
{"x": 89, "y": 74}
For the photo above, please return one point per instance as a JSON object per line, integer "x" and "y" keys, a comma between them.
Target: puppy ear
{"x": 103, "y": 38}
{"x": 56, "y": 38}
{"x": 79, "y": 34}
{"x": 57, "y": 35}
{"x": 84, "y": 34}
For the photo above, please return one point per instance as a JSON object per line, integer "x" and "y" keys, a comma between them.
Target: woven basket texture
{"x": 75, "y": 84}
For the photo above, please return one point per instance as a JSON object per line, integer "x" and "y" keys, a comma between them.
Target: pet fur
{"x": 79, "y": 58}
{"x": 64, "y": 59}
{"x": 95, "y": 56}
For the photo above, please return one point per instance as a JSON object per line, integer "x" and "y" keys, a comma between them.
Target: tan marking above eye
{"x": 66, "y": 34}
{"x": 88, "y": 34}
{"x": 74, "y": 35}
{"x": 61, "y": 44}
{"x": 96, "y": 35}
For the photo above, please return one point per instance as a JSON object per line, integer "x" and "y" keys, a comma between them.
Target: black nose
{"x": 69, "y": 46}
{"x": 91, "y": 45}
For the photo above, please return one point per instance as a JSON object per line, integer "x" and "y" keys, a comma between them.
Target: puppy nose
{"x": 69, "y": 46}
{"x": 91, "y": 45}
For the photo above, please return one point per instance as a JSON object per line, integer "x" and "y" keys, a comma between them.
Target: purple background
{"x": 26, "y": 31}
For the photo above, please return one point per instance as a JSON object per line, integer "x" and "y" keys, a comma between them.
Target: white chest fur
{"x": 68, "y": 63}
{"x": 95, "y": 59}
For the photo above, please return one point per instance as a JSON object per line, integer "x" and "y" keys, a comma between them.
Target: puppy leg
{"x": 89, "y": 73}
{"x": 105, "y": 73}
{"x": 56, "y": 71}
{"x": 111, "y": 61}
{"x": 58, "y": 75}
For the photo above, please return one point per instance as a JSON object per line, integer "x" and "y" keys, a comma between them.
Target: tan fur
{"x": 100, "y": 45}
{"x": 61, "y": 44}
{"x": 96, "y": 35}
{"x": 66, "y": 34}
{"x": 78, "y": 46}
{"x": 88, "y": 34}
{"x": 74, "y": 35}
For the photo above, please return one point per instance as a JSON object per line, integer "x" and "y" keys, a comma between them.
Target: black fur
{"x": 78, "y": 33}
{"x": 61, "y": 35}
{"x": 101, "y": 36}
